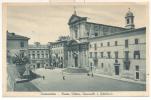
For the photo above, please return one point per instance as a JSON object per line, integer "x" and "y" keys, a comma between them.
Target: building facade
{"x": 39, "y": 55}
{"x": 78, "y": 44}
{"x": 115, "y": 51}
{"x": 58, "y": 52}
{"x": 16, "y": 44}
{"x": 121, "y": 55}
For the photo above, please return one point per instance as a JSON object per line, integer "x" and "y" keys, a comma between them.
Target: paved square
{"x": 54, "y": 82}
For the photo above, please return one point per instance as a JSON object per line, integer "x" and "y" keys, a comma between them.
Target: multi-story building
{"x": 121, "y": 54}
{"x": 16, "y": 44}
{"x": 115, "y": 51}
{"x": 39, "y": 55}
{"x": 58, "y": 52}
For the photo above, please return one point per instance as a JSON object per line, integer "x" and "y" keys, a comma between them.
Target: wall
{"x": 108, "y": 68}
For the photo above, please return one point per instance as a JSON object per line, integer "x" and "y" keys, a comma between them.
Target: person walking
{"x": 43, "y": 77}
{"x": 63, "y": 77}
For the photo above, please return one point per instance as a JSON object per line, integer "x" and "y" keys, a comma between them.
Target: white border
{"x": 85, "y": 98}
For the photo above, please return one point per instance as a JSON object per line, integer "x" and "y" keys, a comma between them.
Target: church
{"x": 113, "y": 51}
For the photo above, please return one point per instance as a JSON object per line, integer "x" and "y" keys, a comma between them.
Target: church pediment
{"x": 75, "y": 18}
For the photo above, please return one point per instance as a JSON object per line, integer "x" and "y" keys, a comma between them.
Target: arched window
{"x": 76, "y": 33}
{"x": 127, "y": 21}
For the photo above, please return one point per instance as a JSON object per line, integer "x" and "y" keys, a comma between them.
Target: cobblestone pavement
{"x": 53, "y": 81}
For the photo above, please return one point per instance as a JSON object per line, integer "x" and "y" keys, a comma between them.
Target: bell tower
{"x": 129, "y": 18}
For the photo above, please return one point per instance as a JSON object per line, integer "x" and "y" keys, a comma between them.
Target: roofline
{"x": 119, "y": 33}
{"x": 58, "y": 42}
{"x": 81, "y": 18}
{"x": 106, "y": 25}
{"x": 18, "y": 39}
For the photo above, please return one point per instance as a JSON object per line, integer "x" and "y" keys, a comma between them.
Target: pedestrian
{"x": 43, "y": 77}
{"x": 92, "y": 71}
{"x": 92, "y": 74}
{"x": 63, "y": 77}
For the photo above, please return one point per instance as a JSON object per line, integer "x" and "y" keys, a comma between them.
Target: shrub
{"x": 20, "y": 59}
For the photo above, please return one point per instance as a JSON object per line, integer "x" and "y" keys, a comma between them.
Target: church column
{"x": 86, "y": 58}
{"x": 72, "y": 59}
{"x": 79, "y": 58}
{"x": 68, "y": 58}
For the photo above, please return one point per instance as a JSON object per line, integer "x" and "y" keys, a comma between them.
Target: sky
{"x": 45, "y": 23}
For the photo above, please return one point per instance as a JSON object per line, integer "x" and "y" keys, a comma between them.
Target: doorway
{"x": 137, "y": 75}
{"x": 116, "y": 70}
{"x": 76, "y": 61}
{"x": 38, "y": 65}
{"x": 95, "y": 63}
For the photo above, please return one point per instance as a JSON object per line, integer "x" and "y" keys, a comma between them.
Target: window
{"x": 116, "y": 55}
{"x": 95, "y": 46}
{"x": 90, "y": 54}
{"x": 22, "y": 44}
{"x": 90, "y": 45}
{"x": 136, "y": 41}
{"x": 91, "y": 64}
{"x": 88, "y": 33}
{"x": 29, "y": 56}
{"x": 137, "y": 75}
{"x": 137, "y": 68}
{"x": 95, "y": 54}
{"x": 46, "y": 55}
{"x": 101, "y": 44}
{"x": 127, "y": 21}
{"x": 102, "y": 65}
{"x": 96, "y": 34}
{"x": 126, "y": 43}
{"x": 33, "y": 55}
{"x": 101, "y": 54}
{"x": 38, "y": 56}
{"x": 116, "y": 43}
{"x": 126, "y": 54}
{"x": 109, "y": 54}
{"x": 132, "y": 20}
{"x": 42, "y": 55}
{"x": 108, "y": 43}
{"x": 137, "y": 71}
{"x": 127, "y": 65}
{"x": 37, "y": 51}
{"x": 126, "y": 61}
{"x": 136, "y": 55}
{"x": 76, "y": 33}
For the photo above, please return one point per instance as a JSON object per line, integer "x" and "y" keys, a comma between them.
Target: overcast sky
{"x": 44, "y": 23}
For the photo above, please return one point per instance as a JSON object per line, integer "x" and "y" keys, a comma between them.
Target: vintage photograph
{"x": 76, "y": 48}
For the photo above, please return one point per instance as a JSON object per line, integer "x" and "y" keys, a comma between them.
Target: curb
{"x": 74, "y": 73}
{"x": 121, "y": 79}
